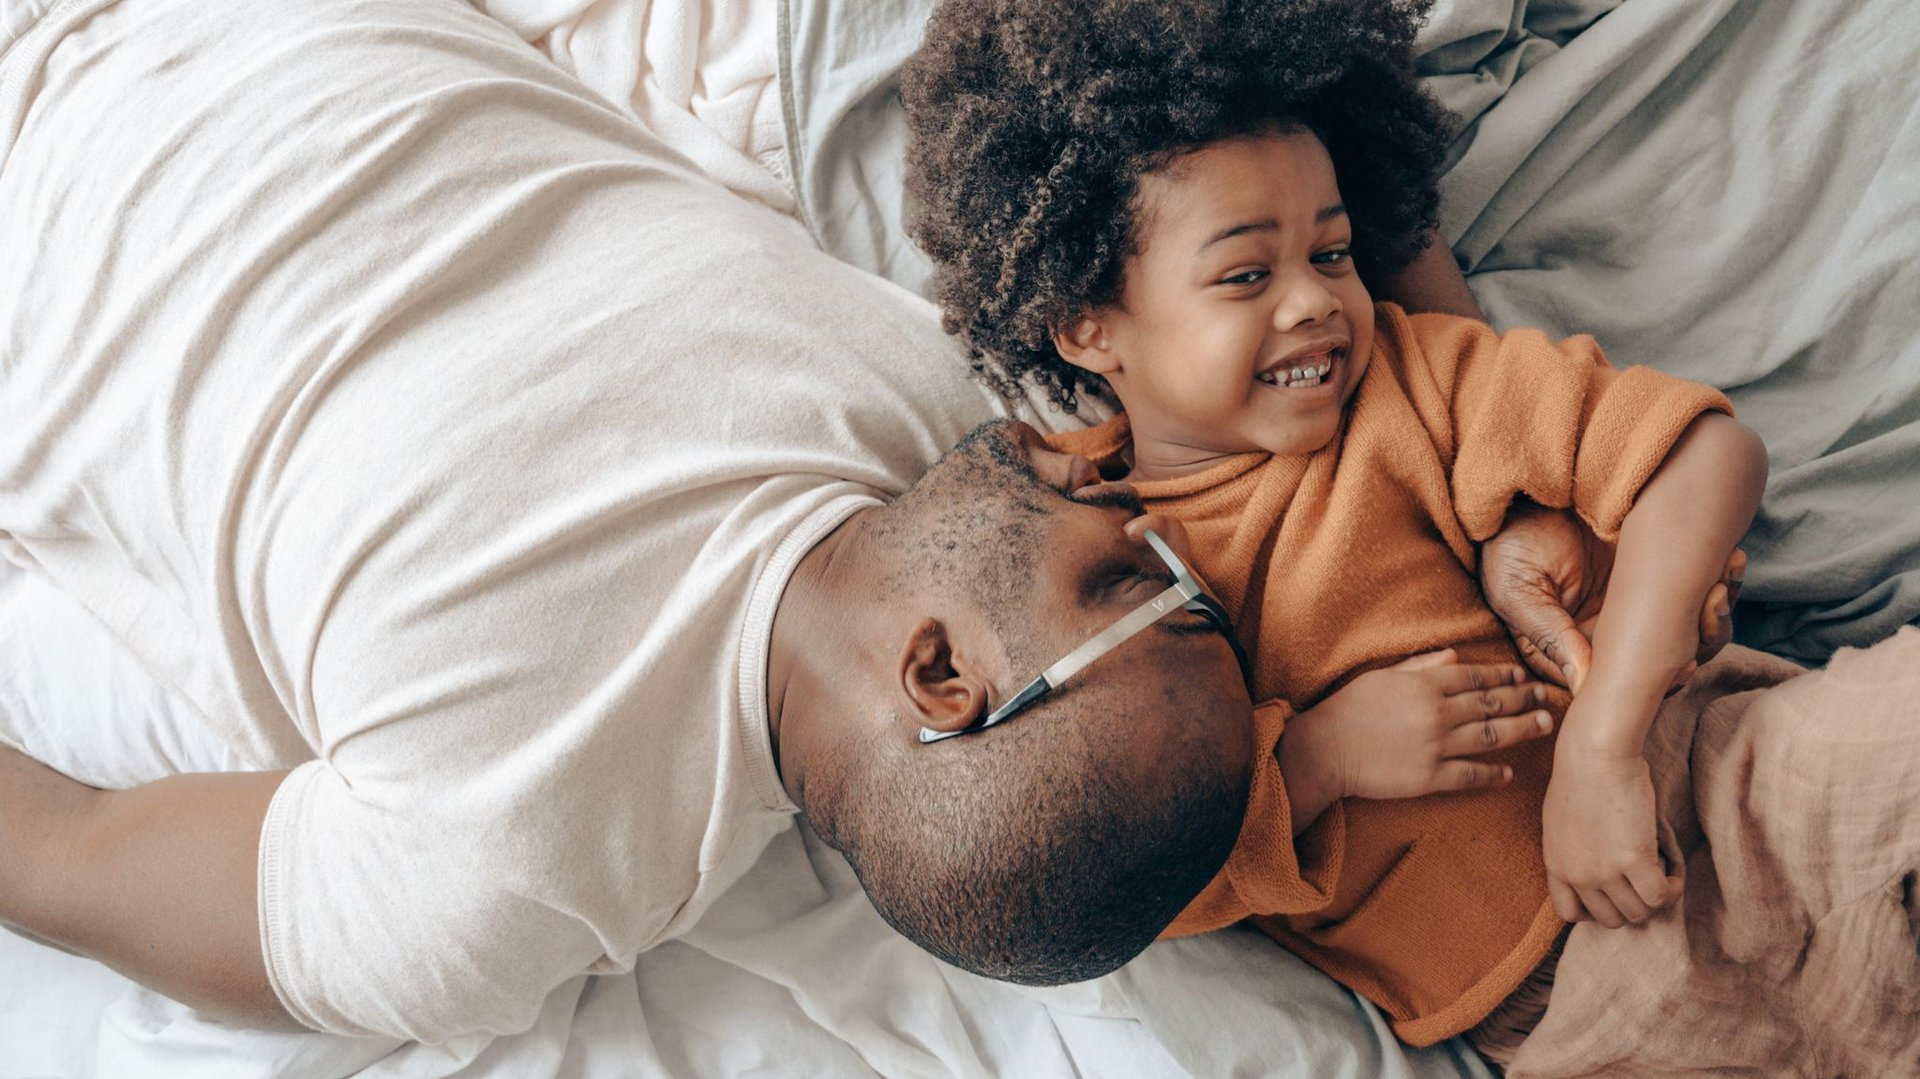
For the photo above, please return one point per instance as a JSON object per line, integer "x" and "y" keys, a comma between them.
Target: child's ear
{"x": 1085, "y": 344}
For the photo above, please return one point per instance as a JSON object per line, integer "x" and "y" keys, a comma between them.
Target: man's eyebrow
{"x": 1268, "y": 224}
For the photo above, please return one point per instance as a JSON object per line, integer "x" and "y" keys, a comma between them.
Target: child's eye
{"x": 1245, "y": 277}
{"x": 1338, "y": 256}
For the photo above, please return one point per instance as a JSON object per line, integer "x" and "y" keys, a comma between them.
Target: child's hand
{"x": 1603, "y": 860}
{"x": 1412, "y": 729}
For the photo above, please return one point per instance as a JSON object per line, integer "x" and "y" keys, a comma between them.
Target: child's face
{"x": 1242, "y": 277}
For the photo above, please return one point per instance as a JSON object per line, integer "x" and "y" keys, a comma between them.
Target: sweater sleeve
{"x": 1553, "y": 421}
{"x": 1271, "y": 871}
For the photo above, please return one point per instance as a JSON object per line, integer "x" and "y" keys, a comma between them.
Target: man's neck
{"x": 809, "y": 629}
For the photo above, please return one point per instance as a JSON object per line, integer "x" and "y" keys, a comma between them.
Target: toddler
{"x": 1177, "y": 209}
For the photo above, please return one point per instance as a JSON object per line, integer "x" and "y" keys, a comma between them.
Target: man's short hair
{"x": 1020, "y": 859}
{"x": 1036, "y": 851}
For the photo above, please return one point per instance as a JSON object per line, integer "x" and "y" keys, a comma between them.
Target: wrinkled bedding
{"x": 1724, "y": 189}
{"x": 1728, "y": 190}
{"x": 1792, "y": 801}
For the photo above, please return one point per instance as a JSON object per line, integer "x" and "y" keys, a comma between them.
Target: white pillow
{"x": 74, "y": 699}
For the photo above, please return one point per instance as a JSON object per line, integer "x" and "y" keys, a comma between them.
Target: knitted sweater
{"x": 1362, "y": 554}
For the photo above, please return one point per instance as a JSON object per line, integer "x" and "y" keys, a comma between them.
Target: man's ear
{"x": 938, "y": 688}
{"x": 1085, "y": 343}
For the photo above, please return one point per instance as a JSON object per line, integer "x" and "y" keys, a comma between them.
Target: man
{"x": 359, "y": 379}
{"x": 507, "y": 498}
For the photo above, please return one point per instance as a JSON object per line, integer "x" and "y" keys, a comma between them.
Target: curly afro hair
{"x": 1032, "y": 122}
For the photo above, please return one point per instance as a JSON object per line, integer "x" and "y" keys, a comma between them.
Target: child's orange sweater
{"x": 1362, "y": 554}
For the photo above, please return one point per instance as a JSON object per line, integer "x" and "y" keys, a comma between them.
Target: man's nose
{"x": 1167, "y": 528}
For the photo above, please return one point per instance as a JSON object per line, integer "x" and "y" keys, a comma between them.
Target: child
{"x": 1176, "y": 207}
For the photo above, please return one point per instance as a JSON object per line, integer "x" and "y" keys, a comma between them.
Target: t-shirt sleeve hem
{"x": 274, "y": 839}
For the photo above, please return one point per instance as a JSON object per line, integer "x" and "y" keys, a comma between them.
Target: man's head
{"x": 1057, "y": 845}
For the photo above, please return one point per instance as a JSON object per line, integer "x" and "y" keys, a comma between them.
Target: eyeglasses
{"x": 1184, "y": 595}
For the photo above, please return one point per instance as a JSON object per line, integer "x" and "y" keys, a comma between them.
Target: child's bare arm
{"x": 1601, "y": 857}
{"x": 1673, "y": 547}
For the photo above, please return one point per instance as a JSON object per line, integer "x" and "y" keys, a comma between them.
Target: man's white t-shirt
{"x": 436, "y": 433}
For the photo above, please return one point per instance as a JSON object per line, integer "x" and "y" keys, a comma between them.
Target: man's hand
{"x": 1545, "y": 574}
{"x": 1602, "y": 854}
{"x": 1413, "y": 729}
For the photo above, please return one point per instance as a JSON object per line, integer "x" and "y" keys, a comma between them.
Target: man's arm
{"x": 157, "y": 882}
{"x": 1432, "y": 283}
{"x": 1545, "y": 574}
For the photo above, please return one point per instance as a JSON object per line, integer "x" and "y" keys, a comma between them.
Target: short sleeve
{"x": 1556, "y": 422}
{"x": 438, "y": 944}
{"x": 1271, "y": 871}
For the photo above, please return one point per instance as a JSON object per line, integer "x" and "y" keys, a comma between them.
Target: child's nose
{"x": 1304, "y": 301}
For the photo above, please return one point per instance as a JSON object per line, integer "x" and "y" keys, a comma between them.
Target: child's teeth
{"x": 1297, "y": 376}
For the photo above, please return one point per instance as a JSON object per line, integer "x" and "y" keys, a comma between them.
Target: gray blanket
{"x": 1730, "y": 190}
{"x": 1725, "y": 189}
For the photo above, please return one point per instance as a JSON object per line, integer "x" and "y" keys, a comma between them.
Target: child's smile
{"x": 1241, "y": 325}
{"x": 1305, "y": 368}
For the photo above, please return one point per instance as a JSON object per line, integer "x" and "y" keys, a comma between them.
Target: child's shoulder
{"x": 1419, "y": 337}
{"x": 1445, "y": 354}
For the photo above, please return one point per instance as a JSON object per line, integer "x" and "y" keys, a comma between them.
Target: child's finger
{"x": 1485, "y": 736}
{"x": 1508, "y": 700}
{"x": 1426, "y": 660}
{"x": 1469, "y": 677}
{"x": 1655, "y": 888}
{"x": 1602, "y": 908}
{"x": 1463, "y": 775}
{"x": 1566, "y": 901}
{"x": 1628, "y": 902}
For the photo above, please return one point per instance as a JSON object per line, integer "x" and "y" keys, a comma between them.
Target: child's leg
{"x": 1797, "y": 812}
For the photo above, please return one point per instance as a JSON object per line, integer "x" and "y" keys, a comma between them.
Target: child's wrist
{"x": 1608, "y": 720}
{"x": 1307, "y": 770}
{"x": 1638, "y": 677}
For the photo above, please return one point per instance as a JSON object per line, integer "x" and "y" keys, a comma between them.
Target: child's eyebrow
{"x": 1268, "y": 224}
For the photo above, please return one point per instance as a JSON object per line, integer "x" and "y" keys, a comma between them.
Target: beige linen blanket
{"x": 1793, "y": 801}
